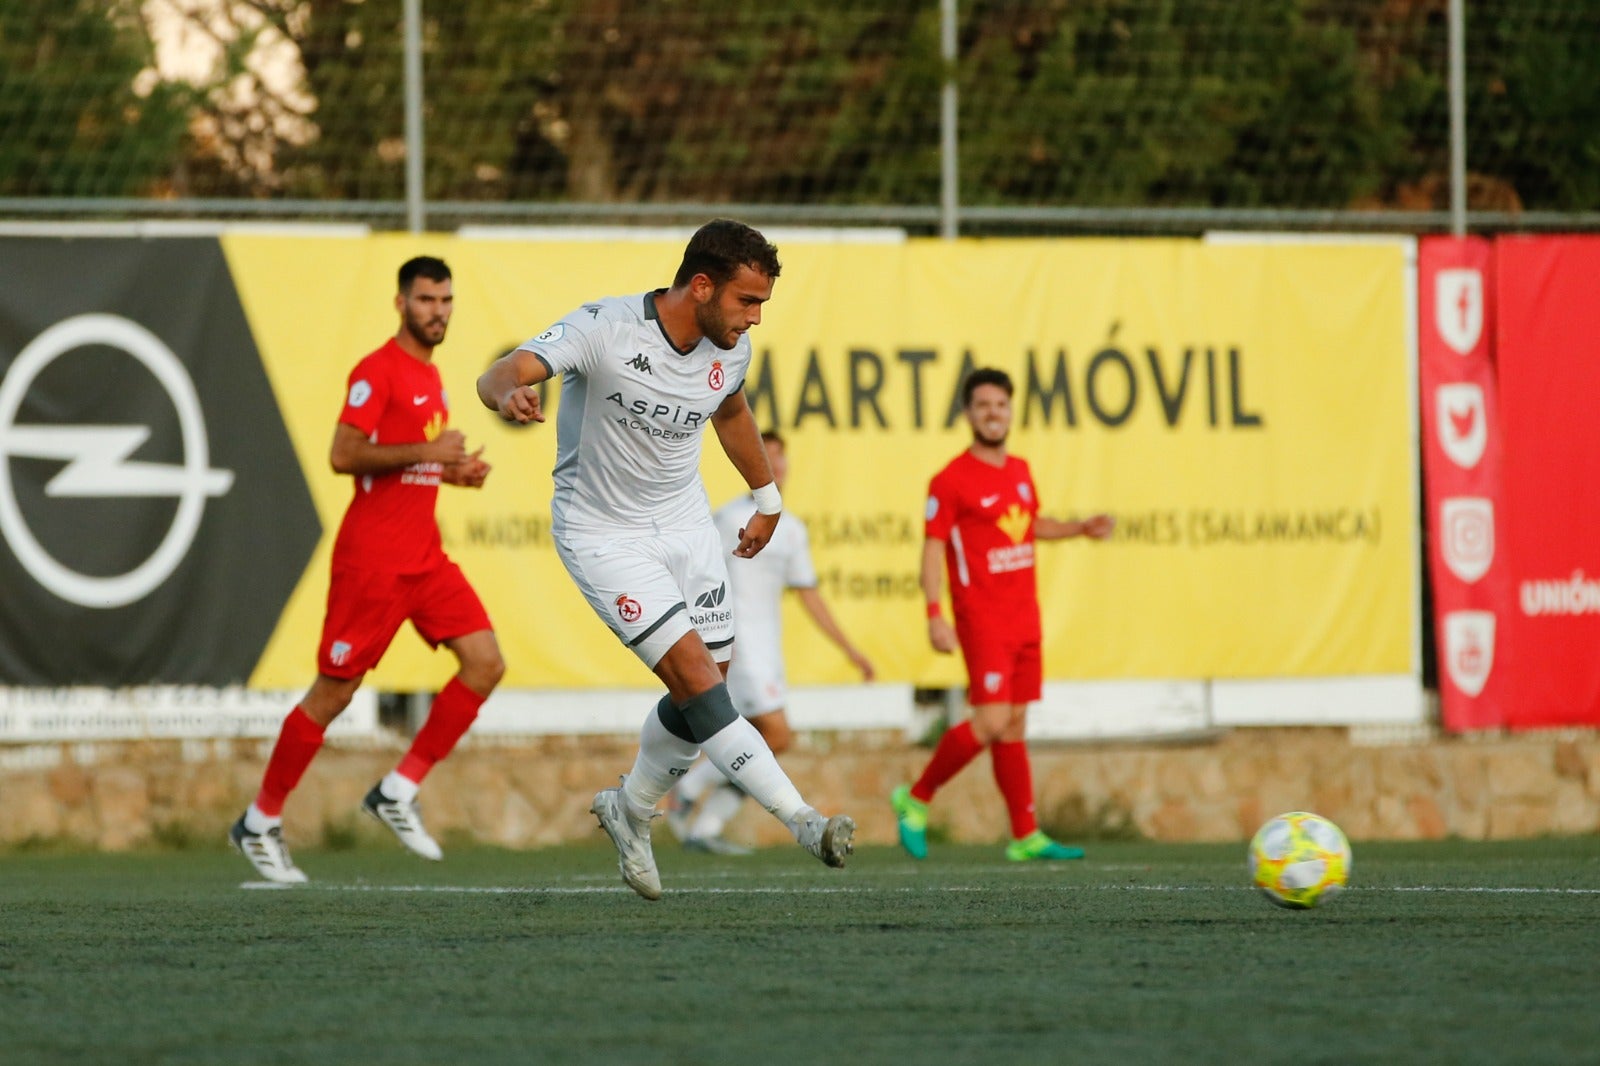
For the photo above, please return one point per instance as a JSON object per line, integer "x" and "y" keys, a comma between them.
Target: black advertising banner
{"x": 153, "y": 517}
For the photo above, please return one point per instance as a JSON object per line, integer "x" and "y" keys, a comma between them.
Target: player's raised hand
{"x": 521, "y": 405}
{"x": 755, "y": 534}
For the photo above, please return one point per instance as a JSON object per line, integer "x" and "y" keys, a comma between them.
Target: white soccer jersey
{"x": 756, "y": 676}
{"x": 632, "y": 411}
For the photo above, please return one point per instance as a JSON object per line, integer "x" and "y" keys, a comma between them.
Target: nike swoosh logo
{"x": 988, "y": 501}
{"x": 420, "y": 400}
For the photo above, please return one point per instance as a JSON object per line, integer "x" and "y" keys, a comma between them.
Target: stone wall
{"x": 129, "y": 795}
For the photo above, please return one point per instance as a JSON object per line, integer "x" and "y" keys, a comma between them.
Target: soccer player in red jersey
{"x": 982, "y": 521}
{"x": 389, "y": 566}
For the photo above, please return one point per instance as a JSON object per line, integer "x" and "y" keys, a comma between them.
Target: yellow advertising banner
{"x": 1242, "y": 409}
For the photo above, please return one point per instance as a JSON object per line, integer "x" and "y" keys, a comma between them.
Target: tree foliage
{"x": 1114, "y": 103}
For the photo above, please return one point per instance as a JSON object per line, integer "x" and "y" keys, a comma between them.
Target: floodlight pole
{"x": 949, "y": 197}
{"x": 415, "y": 219}
{"x": 1458, "y": 118}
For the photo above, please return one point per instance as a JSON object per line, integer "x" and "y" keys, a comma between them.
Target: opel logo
{"x": 97, "y": 463}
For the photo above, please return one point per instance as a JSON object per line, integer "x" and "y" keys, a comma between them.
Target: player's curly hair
{"x": 984, "y": 375}
{"x": 720, "y": 247}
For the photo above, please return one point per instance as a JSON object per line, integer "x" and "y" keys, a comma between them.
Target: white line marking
{"x": 823, "y": 890}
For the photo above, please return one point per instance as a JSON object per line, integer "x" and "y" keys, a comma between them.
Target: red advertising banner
{"x": 1461, "y": 456}
{"x": 1548, "y": 354}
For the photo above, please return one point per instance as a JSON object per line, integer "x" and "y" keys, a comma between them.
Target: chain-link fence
{"x": 1111, "y": 115}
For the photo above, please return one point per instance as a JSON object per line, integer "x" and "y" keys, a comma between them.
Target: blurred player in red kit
{"x": 388, "y": 566}
{"x": 982, "y": 521}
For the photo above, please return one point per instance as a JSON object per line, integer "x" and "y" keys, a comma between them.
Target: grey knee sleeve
{"x": 674, "y": 721}
{"x": 708, "y": 713}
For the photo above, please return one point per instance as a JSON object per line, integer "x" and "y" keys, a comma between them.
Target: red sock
{"x": 297, "y": 745}
{"x": 1014, "y": 774}
{"x": 956, "y": 748}
{"x": 452, "y": 714}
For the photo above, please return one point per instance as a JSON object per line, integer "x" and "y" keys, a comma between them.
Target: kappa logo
{"x": 1458, "y": 308}
{"x": 1466, "y": 536}
{"x": 713, "y": 598}
{"x": 1469, "y": 649}
{"x": 628, "y": 608}
{"x": 641, "y": 362}
{"x": 1462, "y": 422}
{"x": 97, "y": 463}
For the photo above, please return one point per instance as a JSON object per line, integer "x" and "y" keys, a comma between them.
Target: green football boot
{"x": 1036, "y": 846}
{"x": 912, "y": 814}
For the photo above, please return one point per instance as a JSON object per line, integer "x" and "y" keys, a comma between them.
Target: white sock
{"x": 701, "y": 776}
{"x": 398, "y": 788}
{"x": 256, "y": 822}
{"x": 716, "y": 811}
{"x": 741, "y": 753}
{"x": 660, "y": 754}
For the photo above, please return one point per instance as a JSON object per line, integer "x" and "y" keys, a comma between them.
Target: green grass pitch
{"x": 1447, "y": 952}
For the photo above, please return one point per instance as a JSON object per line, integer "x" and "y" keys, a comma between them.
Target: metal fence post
{"x": 415, "y": 214}
{"x": 949, "y": 195}
{"x": 1458, "y": 118}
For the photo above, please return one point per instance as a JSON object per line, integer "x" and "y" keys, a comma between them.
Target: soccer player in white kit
{"x": 703, "y": 802}
{"x": 642, "y": 376}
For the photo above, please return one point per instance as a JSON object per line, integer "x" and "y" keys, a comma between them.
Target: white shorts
{"x": 652, "y": 589}
{"x": 756, "y": 681}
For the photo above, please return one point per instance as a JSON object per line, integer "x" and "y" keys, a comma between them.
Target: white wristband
{"x": 767, "y": 499}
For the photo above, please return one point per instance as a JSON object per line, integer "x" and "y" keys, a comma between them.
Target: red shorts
{"x": 1001, "y": 668}
{"x": 366, "y": 608}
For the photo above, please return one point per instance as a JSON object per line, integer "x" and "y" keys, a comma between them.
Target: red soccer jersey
{"x": 394, "y": 399}
{"x": 984, "y": 514}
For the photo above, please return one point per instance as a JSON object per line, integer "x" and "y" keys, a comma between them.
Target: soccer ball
{"x": 1298, "y": 860}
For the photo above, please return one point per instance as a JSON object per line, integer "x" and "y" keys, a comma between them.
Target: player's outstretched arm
{"x": 1095, "y": 527}
{"x": 817, "y": 608}
{"x": 507, "y": 386}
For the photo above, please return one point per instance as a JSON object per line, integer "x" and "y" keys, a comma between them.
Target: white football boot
{"x": 405, "y": 819}
{"x": 830, "y": 839}
{"x": 631, "y": 835}
{"x": 267, "y": 853}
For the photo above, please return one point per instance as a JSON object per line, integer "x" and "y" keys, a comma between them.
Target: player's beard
{"x": 429, "y": 334}
{"x": 712, "y": 325}
{"x": 979, "y": 437}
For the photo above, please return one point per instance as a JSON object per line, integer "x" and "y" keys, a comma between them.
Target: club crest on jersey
{"x": 716, "y": 378}
{"x": 628, "y": 608}
{"x": 434, "y": 426}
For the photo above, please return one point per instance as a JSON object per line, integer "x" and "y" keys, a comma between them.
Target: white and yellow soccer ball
{"x": 1299, "y": 860}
